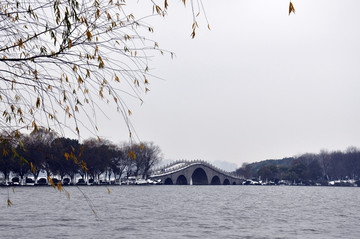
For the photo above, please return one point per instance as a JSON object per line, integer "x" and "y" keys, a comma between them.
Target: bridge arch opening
{"x": 181, "y": 180}
{"x": 215, "y": 180}
{"x": 199, "y": 177}
{"x": 234, "y": 183}
{"x": 168, "y": 181}
{"x": 226, "y": 182}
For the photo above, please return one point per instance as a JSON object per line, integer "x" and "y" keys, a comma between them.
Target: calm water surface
{"x": 182, "y": 212}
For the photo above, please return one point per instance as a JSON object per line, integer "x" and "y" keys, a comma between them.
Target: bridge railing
{"x": 181, "y": 164}
{"x": 171, "y": 167}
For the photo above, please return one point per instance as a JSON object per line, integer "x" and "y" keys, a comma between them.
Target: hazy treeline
{"x": 324, "y": 166}
{"x": 43, "y": 151}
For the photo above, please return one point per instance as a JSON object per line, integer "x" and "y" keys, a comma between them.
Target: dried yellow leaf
{"x": 51, "y": 181}
{"x": 59, "y": 187}
{"x": 9, "y": 203}
{"x": 5, "y": 152}
{"x": 117, "y": 78}
{"x": 89, "y": 35}
{"x": 67, "y": 194}
{"x": 291, "y": 8}
{"x": 83, "y": 166}
{"x": 38, "y": 102}
{"x": 33, "y": 169}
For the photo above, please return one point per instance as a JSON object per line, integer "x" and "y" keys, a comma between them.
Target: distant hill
{"x": 278, "y": 162}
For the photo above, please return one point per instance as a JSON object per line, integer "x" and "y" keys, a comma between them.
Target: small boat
{"x": 15, "y": 181}
{"x": 141, "y": 182}
{"x": 29, "y": 182}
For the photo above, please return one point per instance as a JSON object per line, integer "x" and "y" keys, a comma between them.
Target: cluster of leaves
{"x": 59, "y": 59}
{"x": 43, "y": 151}
{"x": 308, "y": 167}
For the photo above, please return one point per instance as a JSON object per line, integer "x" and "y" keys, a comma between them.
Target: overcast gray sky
{"x": 259, "y": 85}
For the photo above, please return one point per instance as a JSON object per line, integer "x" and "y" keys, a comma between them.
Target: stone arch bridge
{"x": 196, "y": 172}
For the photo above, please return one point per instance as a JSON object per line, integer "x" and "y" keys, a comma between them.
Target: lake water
{"x": 181, "y": 212}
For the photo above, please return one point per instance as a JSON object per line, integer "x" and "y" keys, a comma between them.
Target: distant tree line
{"x": 43, "y": 151}
{"x": 308, "y": 168}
